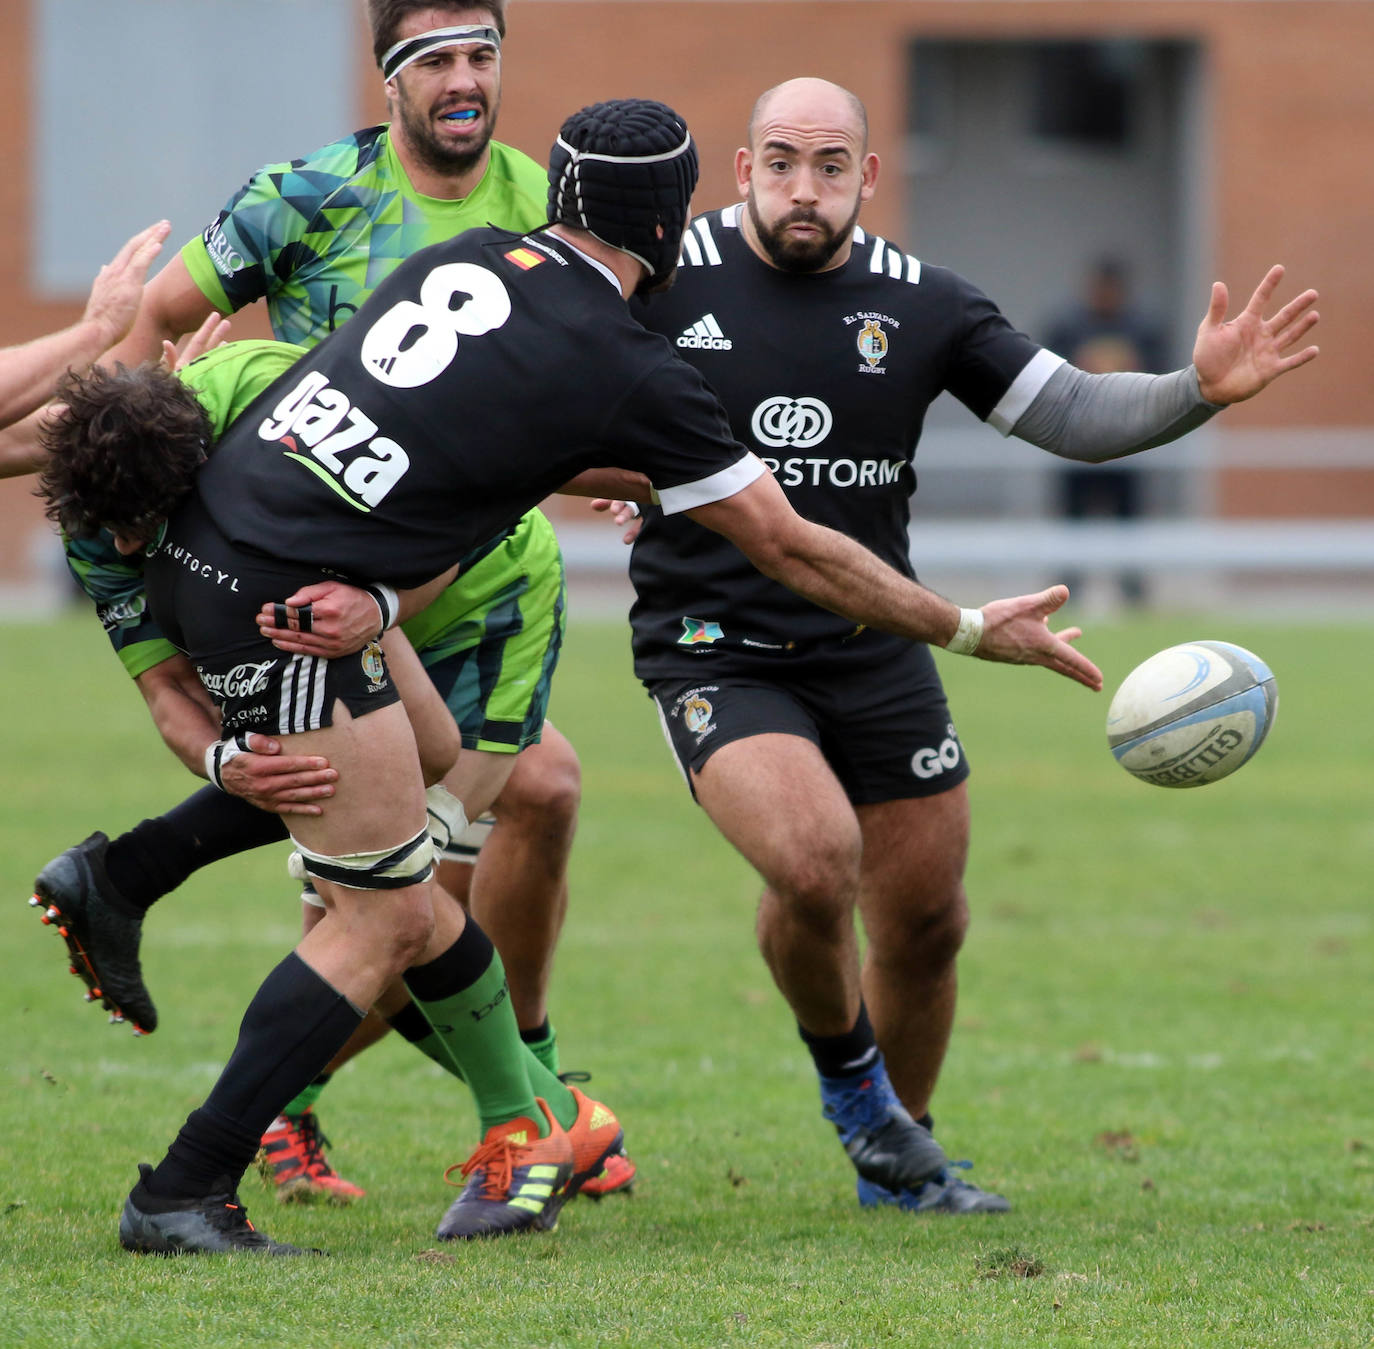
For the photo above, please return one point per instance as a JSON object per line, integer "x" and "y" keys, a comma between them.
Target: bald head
{"x": 812, "y": 103}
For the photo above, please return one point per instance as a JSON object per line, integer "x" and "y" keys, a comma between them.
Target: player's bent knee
{"x": 547, "y": 782}
{"x": 926, "y": 937}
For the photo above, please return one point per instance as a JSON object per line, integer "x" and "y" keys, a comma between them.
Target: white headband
{"x": 412, "y": 48}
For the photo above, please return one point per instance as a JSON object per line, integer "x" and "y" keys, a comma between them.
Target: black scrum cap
{"x": 623, "y": 170}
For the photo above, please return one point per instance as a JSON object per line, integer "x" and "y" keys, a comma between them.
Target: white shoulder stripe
{"x": 887, "y": 259}
{"x": 715, "y": 488}
{"x": 1023, "y": 390}
{"x": 708, "y": 244}
{"x": 691, "y": 250}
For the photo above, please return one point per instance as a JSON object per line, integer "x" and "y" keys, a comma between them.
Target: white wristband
{"x": 968, "y": 634}
{"x": 219, "y": 753}
{"x": 388, "y": 601}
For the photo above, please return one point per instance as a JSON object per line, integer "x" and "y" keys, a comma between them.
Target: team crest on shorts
{"x": 697, "y": 714}
{"x": 374, "y": 667}
{"x": 696, "y": 630}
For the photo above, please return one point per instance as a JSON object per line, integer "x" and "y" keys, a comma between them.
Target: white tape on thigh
{"x": 447, "y": 819}
{"x": 386, "y": 869}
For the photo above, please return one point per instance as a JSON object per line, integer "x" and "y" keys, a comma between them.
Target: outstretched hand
{"x": 118, "y": 288}
{"x": 1236, "y": 359}
{"x": 1017, "y": 632}
{"x": 213, "y": 332}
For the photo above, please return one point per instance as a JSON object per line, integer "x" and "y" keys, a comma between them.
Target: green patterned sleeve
{"x": 232, "y": 259}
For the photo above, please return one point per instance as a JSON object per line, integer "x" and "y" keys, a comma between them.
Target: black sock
{"x": 461, "y": 966}
{"x": 847, "y": 1055}
{"x": 539, "y": 1034}
{"x": 294, "y": 1025}
{"x": 157, "y": 855}
{"x": 410, "y": 1024}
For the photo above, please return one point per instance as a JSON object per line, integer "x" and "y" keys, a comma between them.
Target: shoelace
{"x": 231, "y": 1218}
{"x": 496, "y": 1157}
{"x": 312, "y": 1145}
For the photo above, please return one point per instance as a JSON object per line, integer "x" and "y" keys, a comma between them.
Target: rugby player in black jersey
{"x": 482, "y": 374}
{"x": 823, "y": 749}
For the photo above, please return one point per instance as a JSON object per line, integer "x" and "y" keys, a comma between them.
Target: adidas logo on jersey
{"x": 705, "y": 335}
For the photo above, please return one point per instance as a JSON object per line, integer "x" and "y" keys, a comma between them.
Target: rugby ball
{"x": 1192, "y": 714}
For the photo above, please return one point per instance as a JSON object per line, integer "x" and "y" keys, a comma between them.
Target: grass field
{"x": 1163, "y": 1054}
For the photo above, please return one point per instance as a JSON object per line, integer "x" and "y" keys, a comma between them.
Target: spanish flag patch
{"x": 525, "y": 258}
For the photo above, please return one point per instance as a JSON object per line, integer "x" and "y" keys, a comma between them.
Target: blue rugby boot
{"x": 945, "y": 1192}
{"x": 885, "y": 1144}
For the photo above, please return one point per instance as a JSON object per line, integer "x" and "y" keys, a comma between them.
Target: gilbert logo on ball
{"x": 1192, "y": 714}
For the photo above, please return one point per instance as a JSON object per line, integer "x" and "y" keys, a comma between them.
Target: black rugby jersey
{"x": 480, "y": 376}
{"x": 827, "y": 377}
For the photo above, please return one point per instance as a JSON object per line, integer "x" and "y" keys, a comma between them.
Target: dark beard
{"x": 437, "y": 155}
{"x": 791, "y": 255}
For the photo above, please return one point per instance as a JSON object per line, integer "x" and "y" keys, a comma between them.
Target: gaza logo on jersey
{"x": 783, "y": 421}
{"x": 318, "y": 426}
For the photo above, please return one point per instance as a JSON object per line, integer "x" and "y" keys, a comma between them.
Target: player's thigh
{"x": 914, "y": 852}
{"x": 478, "y": 778}
{"x": 749, "y": 753}
{"x": 436, "y": 734}
{"x": 379, "y": 798}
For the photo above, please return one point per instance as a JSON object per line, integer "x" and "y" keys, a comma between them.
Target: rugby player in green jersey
{"x": 313, "y": 237}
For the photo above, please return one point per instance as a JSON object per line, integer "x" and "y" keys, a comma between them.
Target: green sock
{"x": 542, "y": 1042}
{"x": 476, "y": 1027}
{"x": 298, "y": 1105}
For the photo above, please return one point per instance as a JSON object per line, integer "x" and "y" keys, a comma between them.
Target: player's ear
{"x": 869, "y": 176}
{"x": 744, "y": 169}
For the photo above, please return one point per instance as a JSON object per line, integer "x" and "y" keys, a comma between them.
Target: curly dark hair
{"x": 122, "y": 451}
{"x": 385, "y": 16}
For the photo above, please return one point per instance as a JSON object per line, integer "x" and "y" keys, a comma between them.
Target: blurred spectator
{"x": 1103, "y": 332}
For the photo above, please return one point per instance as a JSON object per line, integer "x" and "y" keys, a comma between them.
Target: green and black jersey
{"x": 316, "y": 236}
{"x": 225, "y": 381}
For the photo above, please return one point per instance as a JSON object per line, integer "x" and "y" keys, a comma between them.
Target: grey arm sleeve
{"x": 1093, "y": 418}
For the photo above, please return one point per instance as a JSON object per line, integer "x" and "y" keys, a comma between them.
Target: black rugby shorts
{"x": 206, "y": 593}
{"x": 883, "y": 725}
